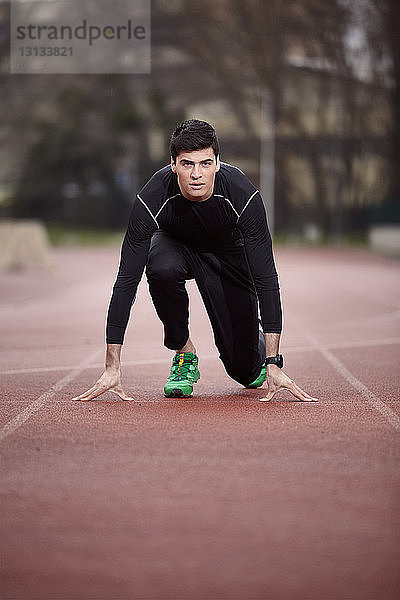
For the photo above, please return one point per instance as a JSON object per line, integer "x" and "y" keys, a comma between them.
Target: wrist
{"x": 113, "y": 357}
{"x": 272, "y": 369}
{"x": 272, "y": 342}
{"x": 276, "y": 360}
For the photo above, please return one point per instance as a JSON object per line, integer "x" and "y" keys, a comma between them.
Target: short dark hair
{"x": 193, "y": 135}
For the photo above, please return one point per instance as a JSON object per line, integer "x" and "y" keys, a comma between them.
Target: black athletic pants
{"x": 224, "y": 282}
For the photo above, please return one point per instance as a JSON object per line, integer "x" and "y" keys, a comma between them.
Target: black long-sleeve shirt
{"x": 233, "y": 216}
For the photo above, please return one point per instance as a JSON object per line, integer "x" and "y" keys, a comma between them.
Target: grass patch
{"x": 65, "y": 236}
{"x": 348, "y": 240}
{"x": 69, "y": 236}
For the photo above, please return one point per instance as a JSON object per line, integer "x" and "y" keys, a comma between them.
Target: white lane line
{"x": 376, "y": 402}
{"x": 202, "y": 398}
{"x": 36, "y": 405}
{"x": 381, "y": 318}
{"x": 160, "y": 361}
{"x": 359, "y": 344}
{"x": 98, "y": 365}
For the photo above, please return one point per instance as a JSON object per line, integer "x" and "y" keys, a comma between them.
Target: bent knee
{"x": 165, "y": 271}
{"x": 241, "y": 372}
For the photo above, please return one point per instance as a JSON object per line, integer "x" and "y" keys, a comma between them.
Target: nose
{"x": 195, "y": 174}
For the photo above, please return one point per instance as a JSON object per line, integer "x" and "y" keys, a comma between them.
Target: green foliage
{"x": 60, "y": 235}
{"x": 79, "y": 146}
{"x": 126, "y": 118}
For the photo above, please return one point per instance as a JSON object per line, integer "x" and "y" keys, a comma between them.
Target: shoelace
{"x": 181, "y": 366}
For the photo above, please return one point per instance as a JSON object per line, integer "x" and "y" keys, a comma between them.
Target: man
{"x": 203, "y": 219}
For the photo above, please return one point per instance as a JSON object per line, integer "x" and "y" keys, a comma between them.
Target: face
{"x": 196, "y": 173}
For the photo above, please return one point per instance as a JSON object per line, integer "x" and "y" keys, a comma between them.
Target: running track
{"x": 216, "y": 497}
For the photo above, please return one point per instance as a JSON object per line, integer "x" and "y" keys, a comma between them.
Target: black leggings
{"x": 224, "y": 282}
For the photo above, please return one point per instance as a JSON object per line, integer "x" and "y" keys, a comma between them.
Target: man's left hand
{"x": 278, "y": 380}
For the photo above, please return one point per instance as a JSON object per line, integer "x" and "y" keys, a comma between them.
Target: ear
{"x": 173, "y": 165}
{"x": 218, "y": 163}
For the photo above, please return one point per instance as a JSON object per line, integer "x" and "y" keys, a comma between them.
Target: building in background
{"x": 304, "y": 110}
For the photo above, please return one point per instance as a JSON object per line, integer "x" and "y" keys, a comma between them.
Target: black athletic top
{"x": 233, "y": 216}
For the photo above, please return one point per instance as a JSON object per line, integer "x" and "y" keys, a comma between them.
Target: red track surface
{"x": 216, "y": 497}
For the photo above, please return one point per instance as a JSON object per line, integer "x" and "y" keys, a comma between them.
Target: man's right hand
{"x": 110, "y": 381}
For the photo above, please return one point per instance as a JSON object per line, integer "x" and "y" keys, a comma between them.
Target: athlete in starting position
{"x": 199, "y": 218}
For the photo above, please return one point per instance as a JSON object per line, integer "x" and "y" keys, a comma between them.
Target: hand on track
{"x": 278, "y": 380}
{"x": 110, "y": 381}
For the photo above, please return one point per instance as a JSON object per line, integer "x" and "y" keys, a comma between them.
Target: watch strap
{"x": 275, "y": 360}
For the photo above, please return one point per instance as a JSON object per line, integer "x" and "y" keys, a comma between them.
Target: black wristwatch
{"x": 275, "y": 360}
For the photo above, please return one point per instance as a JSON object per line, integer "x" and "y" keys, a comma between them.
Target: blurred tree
{"x": 329, "y": 106}
{"x": 76, "y": 147}
{"x": 70, "y": 173}
{"x": 391, "y": 13}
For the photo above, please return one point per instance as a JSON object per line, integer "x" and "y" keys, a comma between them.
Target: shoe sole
{"x": 177, "y": 393}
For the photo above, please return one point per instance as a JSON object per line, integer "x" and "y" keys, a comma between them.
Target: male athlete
{"x": 199, "y": 218}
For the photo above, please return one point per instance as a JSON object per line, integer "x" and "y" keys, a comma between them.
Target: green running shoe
{"x": 184, "y": 373}
{"x": 260, "y": 379}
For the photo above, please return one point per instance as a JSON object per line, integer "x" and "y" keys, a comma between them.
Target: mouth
{"x": 196, "y": 185}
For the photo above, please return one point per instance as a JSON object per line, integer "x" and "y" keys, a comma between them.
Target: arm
{"x": 272, "y": 341}
{"x": 133, "y": 259}
{"x": 260, "y": 256}
{"x": 110, "y": 380}
{"x": 276, "y": 378}
{"x": 258, "y": 244}
{"x": 134, "y": 252}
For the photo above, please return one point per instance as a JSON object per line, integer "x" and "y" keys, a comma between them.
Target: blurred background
{"x": 304, "y": 95}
